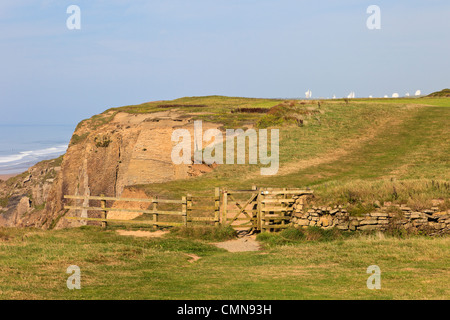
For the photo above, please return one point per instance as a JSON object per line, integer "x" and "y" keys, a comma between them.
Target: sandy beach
{"x": 5, "y": 177}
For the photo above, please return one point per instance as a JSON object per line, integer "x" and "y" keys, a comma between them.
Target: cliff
{"x": 23, "y": 197}
{"x": 113, "y": 150}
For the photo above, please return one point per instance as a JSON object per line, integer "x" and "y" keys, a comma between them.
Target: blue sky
{"x": 129, "y": 52}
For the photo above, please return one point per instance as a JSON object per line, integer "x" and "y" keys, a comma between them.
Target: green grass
{"x": 379, "y": 149}
{"x": 33, "y": 265}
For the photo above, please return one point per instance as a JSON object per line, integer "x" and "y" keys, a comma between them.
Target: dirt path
{"x": 247, "y": 243}
{"x": 193, "y": 257}
{"x": 142, "y": 234}
{"x": 347, "y": 146}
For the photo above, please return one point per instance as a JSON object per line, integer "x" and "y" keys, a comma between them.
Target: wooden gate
{"x": 259, "y": 209}
{"x": 240, "y": 209}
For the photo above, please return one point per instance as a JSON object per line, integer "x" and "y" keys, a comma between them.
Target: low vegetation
{"x": 308, "y": 265}
{"x": 208, "y": 233}
{"x": 359, "y": 154}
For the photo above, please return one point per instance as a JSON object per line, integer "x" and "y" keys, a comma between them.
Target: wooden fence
{"x": 156, "y": 213}
{"x": 258, "y": 209}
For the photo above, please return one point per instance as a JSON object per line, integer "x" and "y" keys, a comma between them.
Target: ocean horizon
{"x": 22, "y": 146}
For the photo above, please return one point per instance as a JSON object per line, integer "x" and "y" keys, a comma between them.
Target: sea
{"x": 22, "y": 146}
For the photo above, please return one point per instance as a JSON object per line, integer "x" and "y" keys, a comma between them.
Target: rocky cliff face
{"x": 114, "y": 150}
{"x": 22, "y": 198}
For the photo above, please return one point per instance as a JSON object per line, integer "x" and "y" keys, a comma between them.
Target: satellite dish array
{"x": 308, "y": 95}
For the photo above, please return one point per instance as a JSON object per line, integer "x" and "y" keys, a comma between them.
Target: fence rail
{"x": 154, "y": 211}
{"x": 259, "y": 209}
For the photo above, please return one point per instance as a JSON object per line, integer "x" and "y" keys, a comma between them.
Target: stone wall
{"x": 387, "y": 217}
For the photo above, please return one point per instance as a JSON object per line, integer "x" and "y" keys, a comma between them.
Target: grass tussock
{"x": 298, "y": 236}
{"x": 361, "y": 197}
{"x": 208, "y": 233}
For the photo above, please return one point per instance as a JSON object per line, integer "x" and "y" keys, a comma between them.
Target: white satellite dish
{"x": 395, "y": 95}
{"x": 334, "y": 96}
{"x": 351, "y": 95}
{"x": 418, "y": 93}
{"x": 370, "y": 97}
{"x": 407, "y": 94}
{"x": 386, "y": 96}
{"x": 308, "y": 94}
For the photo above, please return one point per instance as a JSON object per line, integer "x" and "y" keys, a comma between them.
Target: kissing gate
{"x": 259, "y": 209}
{"x": 255, "y": 210}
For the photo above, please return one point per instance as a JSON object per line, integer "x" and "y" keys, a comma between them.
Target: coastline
{"x": 5, "y": 177}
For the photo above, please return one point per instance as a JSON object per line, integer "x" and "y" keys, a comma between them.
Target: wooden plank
{"x": 240, "y": 191}
{"x": 122, "y": 199}
{"x": 174, "y": 213}
{"x": 258, "y": 210}
{"x": 202, "y": 219}
{"x": 209, "y": 208}
{"x": 278, "y": 201}
{"x": 295, "y": 192}
{"x": 145, "y": 222}
{"x": 266, "y": 218}
{"x": 225, "y": 205}
{"x": 278, "y": 209}
{"x": 236, "y": 203}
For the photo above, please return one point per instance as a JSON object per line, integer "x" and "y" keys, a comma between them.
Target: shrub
{"x": 77, "y": 139}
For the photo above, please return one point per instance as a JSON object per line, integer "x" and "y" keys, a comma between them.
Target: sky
{"x": 131, "y": 52}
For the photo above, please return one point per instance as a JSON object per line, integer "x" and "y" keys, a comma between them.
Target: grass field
{"x": 358, "y": 151}
{"x": 34, "y": 262}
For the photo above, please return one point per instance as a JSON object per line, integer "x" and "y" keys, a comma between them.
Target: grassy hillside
{"x": 351, "y": 152}
{"x": 442, "y": 93}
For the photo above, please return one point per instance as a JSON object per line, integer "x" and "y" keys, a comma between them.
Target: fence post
{"x": 255, "y": 223}
{"x": 216, "y": 206}
{"x": 104, "y": 213}
{"x": 284, "y": 206}
{"x": 225, "y": 205}
{"x": 258, "y": 210}
{"x": 155, "y": 212}
{"x": 184, "y": 209}
{"x": 188, "y": 209}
